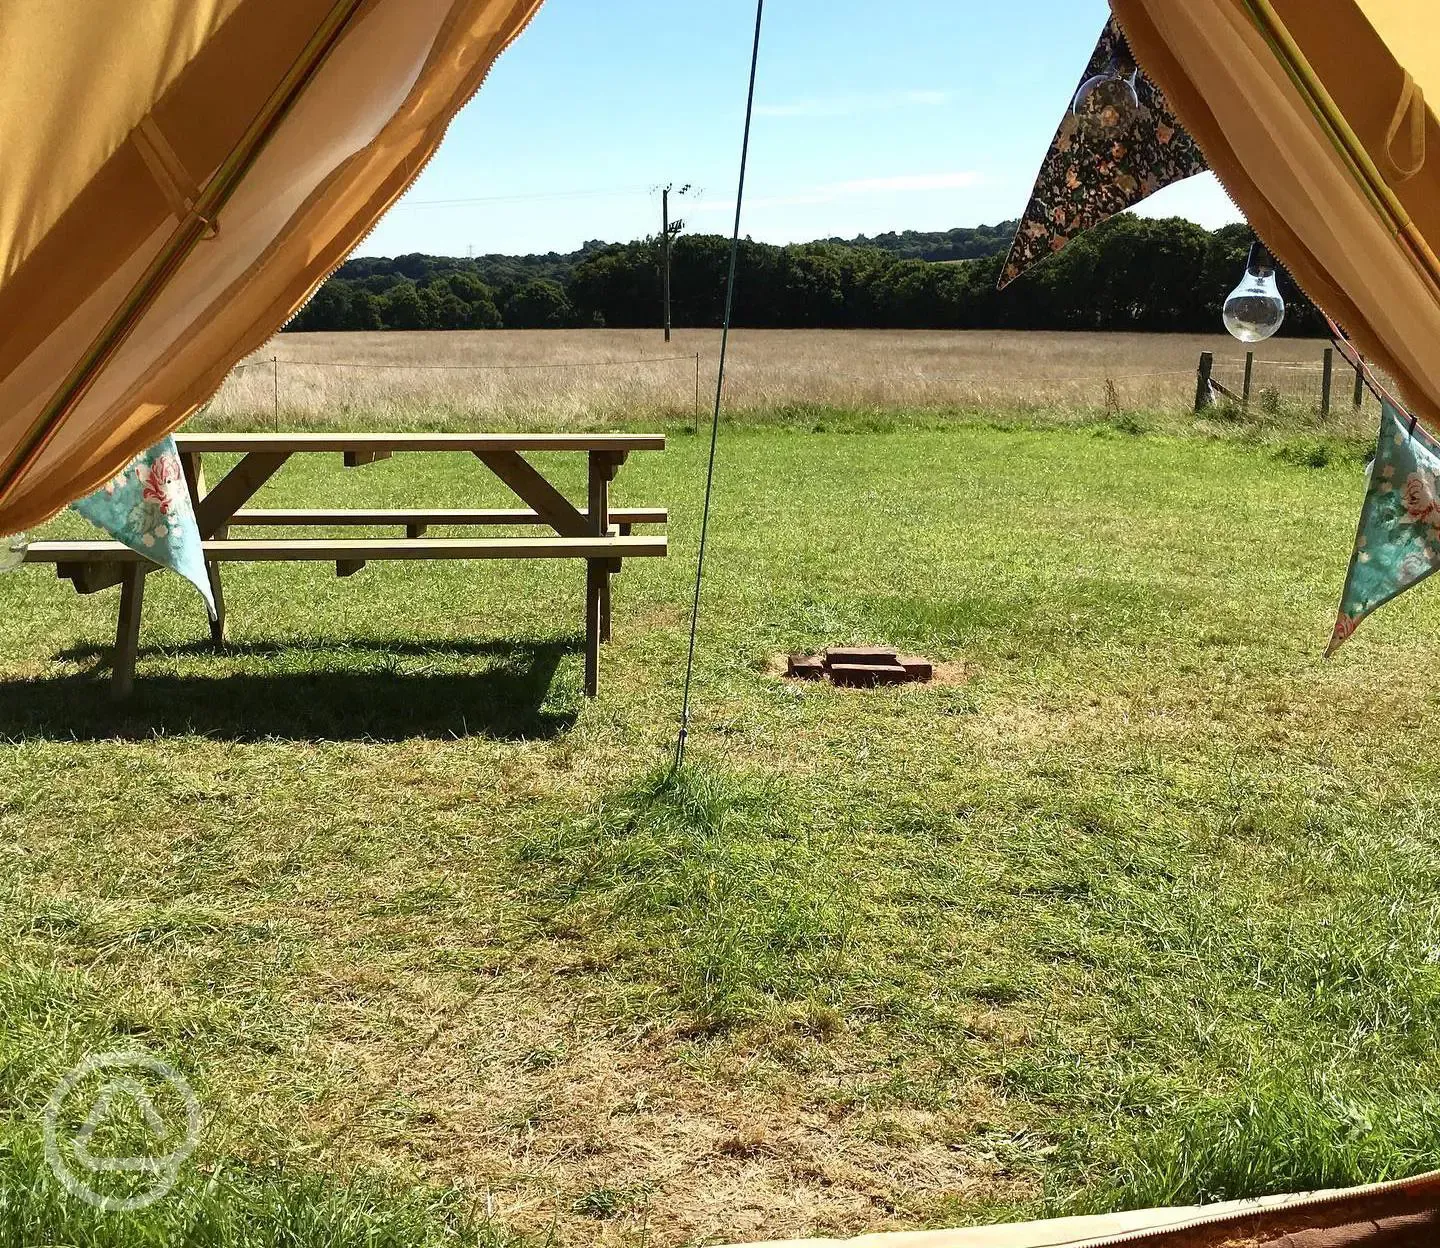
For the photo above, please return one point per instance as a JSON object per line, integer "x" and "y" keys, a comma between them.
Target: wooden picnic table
{"x": 600, "y": 535}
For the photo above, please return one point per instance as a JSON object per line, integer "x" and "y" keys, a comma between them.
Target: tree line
{"x": 1132, "y": 273}
{"x": 963, "y": 243}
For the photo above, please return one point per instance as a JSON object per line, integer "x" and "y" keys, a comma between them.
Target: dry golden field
{"x": 562, "y": 378}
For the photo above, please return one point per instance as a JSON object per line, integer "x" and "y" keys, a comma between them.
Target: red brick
{"x": 867, "y": 674}
{"x": 866, "y": 656}
{"x": 916, "y": 667}
{"x": 806, "y": 666}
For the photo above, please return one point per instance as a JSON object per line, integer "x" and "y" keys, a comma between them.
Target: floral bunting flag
{"x": 1397, "y": 544}
{"x": 1090, "y": 174}
{"x": 147, "y": 506}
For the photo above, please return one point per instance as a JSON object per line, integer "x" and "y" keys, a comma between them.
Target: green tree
{"x": 403, "y": 308}
{"x": 443, "y": 309}
{"x": 810, "y": 287}
{"x": 1131, "y": 273}
{"x": 364, "y": 309}
{"x": 328, "y": 309}
{"x": 540, "y": 304}
{"x": 621, "y": 284}
{"x": 483, "y": 314}
{"x": 481, "y": 311}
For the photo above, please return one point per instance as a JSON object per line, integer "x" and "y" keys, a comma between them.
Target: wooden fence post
{"x": 1326, "y": 378}
{"x": 1359, "y": 387}
{"x": 1202, "y": 380}
{"x": 1249, "y": 371}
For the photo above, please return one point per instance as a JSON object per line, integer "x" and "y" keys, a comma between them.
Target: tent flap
{"x": 125, "y": 303}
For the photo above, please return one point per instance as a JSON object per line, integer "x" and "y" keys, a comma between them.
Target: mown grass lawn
{"x": 1137, "y": 905}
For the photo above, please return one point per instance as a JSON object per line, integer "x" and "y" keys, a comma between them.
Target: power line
{"x": 596, "y": 193}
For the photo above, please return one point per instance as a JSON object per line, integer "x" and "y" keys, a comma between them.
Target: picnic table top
{"x": 298, "y": 442}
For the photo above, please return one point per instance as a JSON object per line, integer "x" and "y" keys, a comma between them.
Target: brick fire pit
{"x": 861, "y": 666}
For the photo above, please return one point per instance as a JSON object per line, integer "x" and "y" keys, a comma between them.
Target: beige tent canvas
{"x": 176, "y": 178}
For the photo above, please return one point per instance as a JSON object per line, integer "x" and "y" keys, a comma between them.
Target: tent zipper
{"x": 1220, "y": 1220}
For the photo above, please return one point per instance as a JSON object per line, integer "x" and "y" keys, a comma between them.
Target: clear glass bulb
{"x": 1254, "y": 310}
{"x": 1109, "y": 101}
{"x": 12, "y": 551}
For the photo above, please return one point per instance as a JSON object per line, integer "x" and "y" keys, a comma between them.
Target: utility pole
{"x": 665, "y": 252}
{"x": 668, "y": 231}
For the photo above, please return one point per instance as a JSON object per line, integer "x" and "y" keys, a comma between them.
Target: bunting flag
{"x": 1091, "y": 173}
{"x": 1397, "y": 543}
{"x": 147, "y": 506}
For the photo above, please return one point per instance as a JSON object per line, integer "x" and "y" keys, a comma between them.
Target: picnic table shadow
{"x": 501, "y": 689}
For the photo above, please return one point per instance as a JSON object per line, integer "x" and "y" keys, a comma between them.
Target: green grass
{"x": 1137, "y": 905}
{"x": 238, "y": 1207}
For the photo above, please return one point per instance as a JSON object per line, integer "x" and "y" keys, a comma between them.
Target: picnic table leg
{"x": 217, "y": 591}
{"x": 195, "y": 480}
{"x": 595, "y": 578}
{"x": 127, "y": 630}
{"x": 603, "y": 466}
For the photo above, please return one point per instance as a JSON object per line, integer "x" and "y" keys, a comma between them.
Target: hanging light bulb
{"x": 1254, "y": 309}
{"x": 12, "y": 551}
{"x": 1110, "y": 100}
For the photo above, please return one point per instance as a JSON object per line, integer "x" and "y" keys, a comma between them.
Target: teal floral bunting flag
{"x": 1092, "y": 173}
{"x": 1397, "y": 544}
{"x": 147, "y": 506}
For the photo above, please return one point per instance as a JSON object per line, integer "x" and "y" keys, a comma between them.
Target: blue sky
{"x": 871, "y": 115}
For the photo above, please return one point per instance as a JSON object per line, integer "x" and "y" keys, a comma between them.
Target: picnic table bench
{"x": 603, "y": 537}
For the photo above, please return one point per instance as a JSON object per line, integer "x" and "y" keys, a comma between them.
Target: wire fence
{"x": 1325, "y": 389}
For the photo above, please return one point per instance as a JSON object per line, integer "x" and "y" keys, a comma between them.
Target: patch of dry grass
{"x": 569, "y": 378}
